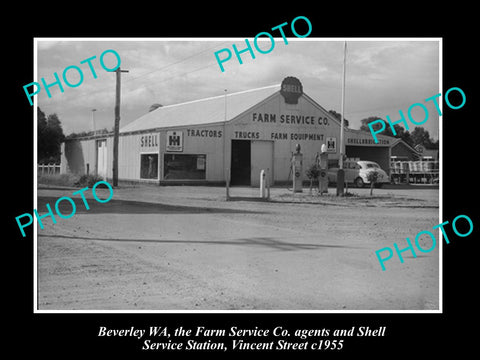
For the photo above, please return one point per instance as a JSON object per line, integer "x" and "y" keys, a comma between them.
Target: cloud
{"x": 381, "y": 75}
{"x": 46, "y": 44}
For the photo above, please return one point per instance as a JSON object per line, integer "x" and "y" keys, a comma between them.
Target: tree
{"x": 74, "y": 135}
{"x": 338, "y": 116}
{"x": 364, "y": 123}
{"x": 49, "y": 137}
{"x": 422, "y": 137}
{"x": 407, "y": 137}
{"x": 400, "y": 132}
{"x": 41, "y": 135}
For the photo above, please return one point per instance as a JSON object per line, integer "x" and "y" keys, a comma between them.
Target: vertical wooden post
{"x": 117, "y": 126}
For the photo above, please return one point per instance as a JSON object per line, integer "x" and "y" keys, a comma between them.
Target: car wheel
{"x": 359, "y": 182}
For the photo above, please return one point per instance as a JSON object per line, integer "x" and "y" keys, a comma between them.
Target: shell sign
{"x": 291, "y": 89}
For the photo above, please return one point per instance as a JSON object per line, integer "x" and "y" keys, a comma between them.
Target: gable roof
{"x": 398, "y": 141}
{"x": 433, "y": 153}
{"x": 201, "y": 112}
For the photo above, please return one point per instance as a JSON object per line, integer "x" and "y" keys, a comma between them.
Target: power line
{"x": 177, "y": 62}
{"x": 153, "y": 71}
{"x": 147, "y": 86}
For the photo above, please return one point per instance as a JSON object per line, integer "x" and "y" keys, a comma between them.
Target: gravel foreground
{"x": 186, "y": 248}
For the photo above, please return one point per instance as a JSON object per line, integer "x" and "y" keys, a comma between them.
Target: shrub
{"x": 372, "y": 177}
{"x": 88, "y": 180}
{"x": 313, "y": 172}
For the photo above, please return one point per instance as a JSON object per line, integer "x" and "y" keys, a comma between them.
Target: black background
{"x": 58, "y": 335}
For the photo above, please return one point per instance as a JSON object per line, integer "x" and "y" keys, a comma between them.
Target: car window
{"x": 333, "y": 163}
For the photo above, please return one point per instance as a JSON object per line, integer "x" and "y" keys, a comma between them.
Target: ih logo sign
{"x": 174, "y": 141}
{"x": 331, "y": 144}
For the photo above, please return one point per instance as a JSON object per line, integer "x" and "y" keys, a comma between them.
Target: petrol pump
{"x": 322, "y": 164}
{"x": 297, "y": 169}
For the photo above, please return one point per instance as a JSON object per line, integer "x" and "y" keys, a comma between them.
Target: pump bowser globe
{"x": 297, "y": 148}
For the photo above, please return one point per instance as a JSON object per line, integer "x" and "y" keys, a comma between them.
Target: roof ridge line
{"x": 220, "y": 96}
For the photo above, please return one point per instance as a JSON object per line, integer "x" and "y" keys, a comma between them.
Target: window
{"x": 148, "y": 166}
{"x": 333, "y": 163}
{"x": 184, "y": 167}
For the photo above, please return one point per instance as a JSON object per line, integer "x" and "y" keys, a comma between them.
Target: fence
{"x": 48, "y": 169}
{"x": 414, "y": 171}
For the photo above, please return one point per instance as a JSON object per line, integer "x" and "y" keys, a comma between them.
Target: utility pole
{"x": 93, "y": 122}
{"x": 117, "y": 127}
{"x": 340, "y": 173}
{"x": 226, "y": 174}
{"x": 343, "y": 107}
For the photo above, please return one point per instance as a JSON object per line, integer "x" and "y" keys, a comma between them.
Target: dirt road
{"x": 185, "y": 248}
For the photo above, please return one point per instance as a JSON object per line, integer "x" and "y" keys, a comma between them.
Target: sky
{"x": 382, "y": 76}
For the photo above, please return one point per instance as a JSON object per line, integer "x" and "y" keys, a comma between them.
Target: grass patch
{"x": 349, "y": 199}
{"x": 70, "y": 180}
{"x": 58, "y": 179}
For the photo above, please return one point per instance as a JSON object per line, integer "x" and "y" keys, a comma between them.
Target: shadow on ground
{"x": 128, "y": 207}
{"x": 267, "y": 242}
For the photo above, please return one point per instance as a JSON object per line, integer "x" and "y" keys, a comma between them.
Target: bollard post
{"x": 262, "y": 183}
{"x": 340, "y": 182}
{"x": 268, "y": 184}
{"x": 227, "y": 184}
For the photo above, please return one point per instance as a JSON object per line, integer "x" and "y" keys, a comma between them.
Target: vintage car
{"x": 356, "y": 172}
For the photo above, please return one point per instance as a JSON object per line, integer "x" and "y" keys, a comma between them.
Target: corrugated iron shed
{"x": 199, "y": 112}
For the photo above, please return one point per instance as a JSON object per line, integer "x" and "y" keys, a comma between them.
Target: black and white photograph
{"x": 220, "y": 180}
{"x": 216, "y": 199}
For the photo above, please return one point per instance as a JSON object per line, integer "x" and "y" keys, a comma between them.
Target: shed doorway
{"x": 240, "y": 173}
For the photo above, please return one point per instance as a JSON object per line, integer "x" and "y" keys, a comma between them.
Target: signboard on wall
{"x": 291, "y": 89}
{"x": 367, "y": 141}
{"x": 331, "y": 144}
{"x": 174, "y": 141}
{"x": 149, "y": 142}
